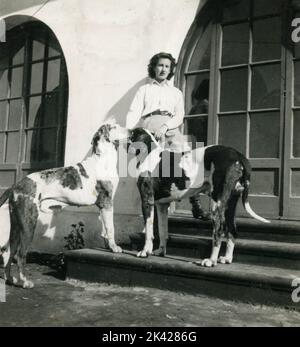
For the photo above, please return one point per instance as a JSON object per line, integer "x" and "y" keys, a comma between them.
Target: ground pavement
{"x": 58, "y": 302}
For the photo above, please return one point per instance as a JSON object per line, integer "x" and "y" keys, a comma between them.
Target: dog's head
{"x": 139, "y": 138}
{"x": 139, "y": 134}
{"x": 110, "y": 132}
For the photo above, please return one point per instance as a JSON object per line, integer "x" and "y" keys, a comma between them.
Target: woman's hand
{"x": 159, "y": 134}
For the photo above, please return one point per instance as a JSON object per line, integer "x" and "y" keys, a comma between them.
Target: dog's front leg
{"x": 107, "y": 215}
{"x": 7, "y": 260}
{"x": 145, "y": 186}
{"x": 217, "y": 210}
{"x": 162, "y": 217}
{"x": 149, "y": 221}
{"x": 227, "y": 259}
{"x": 231, "y": 229}
{"x": 21, "y": 259}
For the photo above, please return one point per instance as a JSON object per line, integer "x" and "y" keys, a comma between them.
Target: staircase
{"x": 266, "y": 261}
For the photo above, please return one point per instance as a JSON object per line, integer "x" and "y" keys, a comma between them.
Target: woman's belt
{"x": 158, "y": 112}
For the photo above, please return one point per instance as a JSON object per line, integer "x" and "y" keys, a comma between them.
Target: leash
{"x": 153, "y": 138}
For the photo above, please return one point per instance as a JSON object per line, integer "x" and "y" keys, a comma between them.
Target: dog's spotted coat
{"x": 93, "y": 181}
{"x": 229, "y": 174}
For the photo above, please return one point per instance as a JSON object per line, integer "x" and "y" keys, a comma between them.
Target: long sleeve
{"x": 136, "y": 109}
{"x": 177, "y": 120}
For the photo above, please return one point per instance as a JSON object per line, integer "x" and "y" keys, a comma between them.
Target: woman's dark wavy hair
{"x": 154, "y": 60}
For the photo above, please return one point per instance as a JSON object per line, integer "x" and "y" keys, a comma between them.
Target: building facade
{"x": 67, "y": 65}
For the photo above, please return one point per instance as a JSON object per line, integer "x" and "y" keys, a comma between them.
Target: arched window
{"x": 239, "y": 71}
{"x": 33, "y": 102}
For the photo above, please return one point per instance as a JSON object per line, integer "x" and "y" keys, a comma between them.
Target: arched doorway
{"x": 33, "y": 102}
{"x": 239, "y": 71}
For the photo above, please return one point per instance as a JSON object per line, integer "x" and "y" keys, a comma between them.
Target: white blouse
{"x": 153, "y": 96}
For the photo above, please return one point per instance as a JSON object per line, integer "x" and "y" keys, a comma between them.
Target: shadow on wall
{"x": 127, "y": 185}
{"x": 120, "y": 109}
{"x": 52, "y": 229}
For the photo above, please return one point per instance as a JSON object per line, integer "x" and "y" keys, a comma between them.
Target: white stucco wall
{"x": 107, "y": 45}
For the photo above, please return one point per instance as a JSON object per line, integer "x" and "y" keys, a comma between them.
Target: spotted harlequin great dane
{"x": 218, "y": 171}
{"x": 91, "y": 182}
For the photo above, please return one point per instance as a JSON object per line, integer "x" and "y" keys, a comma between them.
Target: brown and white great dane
{"x": 164, "y": 176}
{"x": 91, "y": 182}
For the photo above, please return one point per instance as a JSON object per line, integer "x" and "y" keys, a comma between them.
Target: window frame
{"x": 283, "y": 201}
{"x": 26, "y": 34}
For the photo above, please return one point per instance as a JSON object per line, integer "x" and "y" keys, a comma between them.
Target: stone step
{"x": 237, "y": 281}
{"x": 277, "y": 230}
{"x": 259, "y": 252}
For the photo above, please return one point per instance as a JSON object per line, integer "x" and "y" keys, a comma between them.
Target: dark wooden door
{"x": 291, "y": 171}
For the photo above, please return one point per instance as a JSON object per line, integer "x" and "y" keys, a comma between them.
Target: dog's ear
{"x": 104, "y": 131}
{"x": 101, "y": 134}
{"x": 94, "y": 143}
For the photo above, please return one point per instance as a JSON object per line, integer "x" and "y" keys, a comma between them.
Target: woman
{"x": 158, "y": 106}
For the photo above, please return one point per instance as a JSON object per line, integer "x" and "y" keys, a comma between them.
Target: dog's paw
{"x": 116, "y": 249}
{"x": 225, "y": 260}
{"x": 27, "y": 284}
{"x": 208, "y": 262}
{"x": 143, "y": 254}
{"x": 160, "y": 252}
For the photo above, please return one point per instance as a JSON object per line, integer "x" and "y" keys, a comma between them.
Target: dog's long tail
{"x": 5, "y": 196}
{"x": 246, "y": 184}
{"x": 247, "y": 206}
